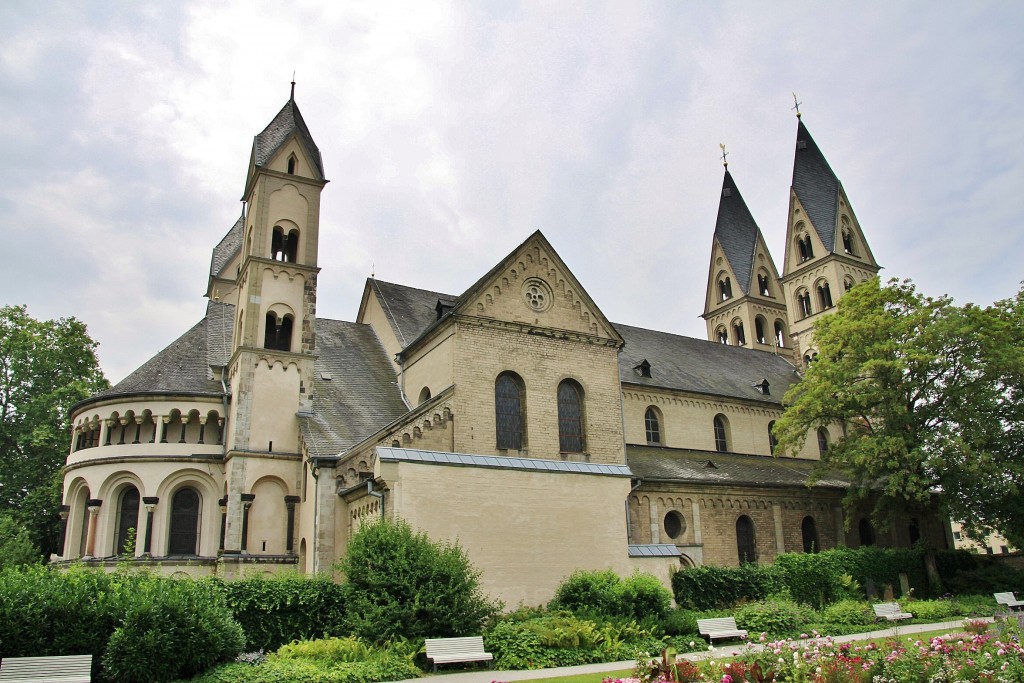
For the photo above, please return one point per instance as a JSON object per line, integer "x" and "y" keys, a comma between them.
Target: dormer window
{"x": 643, "y": 369}
{"x": 443, "y": 306}
{"x": 763, "y": 387}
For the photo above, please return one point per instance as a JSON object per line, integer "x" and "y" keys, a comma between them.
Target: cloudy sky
{"x": 451, "y": 131}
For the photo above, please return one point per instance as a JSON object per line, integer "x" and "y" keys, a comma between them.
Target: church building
{"x": 512, "y": 417}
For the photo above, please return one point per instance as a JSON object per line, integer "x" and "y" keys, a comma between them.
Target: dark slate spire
{"x": 816, "y": 186}
{"x": 287, "y": 121}
{"x": 737, "y": 232}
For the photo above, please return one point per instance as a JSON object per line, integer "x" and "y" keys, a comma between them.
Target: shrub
{"x": 174, "y": 629}
{"x": 705, "y": 588}
{"x": 601, "y": 594}
{"x": 933, "y": 610}
{"x": 274, "y": 611}
{"x": 400, "y": 583}
{"x": 16, "y": 547}
{"x": 849, "y": 612}
{"x": 680, "y": 622}
{"x": 985, "y": 579}
{"x": 642, "y": 596}
{"x": 776, "y": 616}
{"x": 301, "y": 670}
{"x": 515, "y": 646}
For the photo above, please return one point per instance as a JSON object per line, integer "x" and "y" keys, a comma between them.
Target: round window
{"x": 675, "y": 524}
{"x": 537, "y": 294}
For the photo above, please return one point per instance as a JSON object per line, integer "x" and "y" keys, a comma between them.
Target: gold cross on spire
{"x": 725, "y": 162}
{"x": 796, "y": 105}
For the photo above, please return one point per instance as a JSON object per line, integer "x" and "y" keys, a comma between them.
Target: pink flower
{"x": 726, "y": 678}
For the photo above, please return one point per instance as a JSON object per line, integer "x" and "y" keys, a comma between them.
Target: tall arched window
{"x": 723, "y": 335}
{"x": 804, "y": 246}
{"x": 780, "y": 334}
{"x": 746, "y": 540}
{"x": 822, "y": 440}
{"x": 803, "y": 302}
{"x": 509, "y": 411}
{"x": 809, "y": 531}
{"x": 183, "y": 538}
{"x": 762, "y": 284}
{"x": 291, "y": 165}
{"x": 721, "y": 433}
{"x": 848, "y": 243}
{"x": 772, "y": 441}
{"x": 278, "y": 333}
{"x": 284, "y": 246}
{"x": 866, "y": 532}
{"x": 724, "y": 289}
{"x": 652, "y": 425}
{"x": 737, "y": 330}
{"x": 424, "y": 395}
{"x": 127, "y": 518}
{"x": 825, "y": 295}
{"x": 570, "y": 417}
{"x": 759, "y": 333}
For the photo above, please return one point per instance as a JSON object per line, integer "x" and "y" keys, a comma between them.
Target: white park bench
{"x": 1010, "y": 600}
{"x": 724, "y": 627}
{"x": 454, "y": 650}
{"x": 66, "y": 669}
{"x": 891, "y": 611}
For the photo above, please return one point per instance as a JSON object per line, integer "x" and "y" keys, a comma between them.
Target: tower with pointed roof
{"x": 267, "y": 268}
{"x": 826, "y": 252}
{"x": 744, "y": 305}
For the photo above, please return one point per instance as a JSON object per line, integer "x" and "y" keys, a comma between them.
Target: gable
{"x": 719, "y": 269}
{"x": 533, "y": 286}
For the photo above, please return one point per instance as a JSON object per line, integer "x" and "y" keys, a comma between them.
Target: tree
{"x": 45, "y": 368}
{"x": 930, "y": 397}
{"x": 16, "y": 548}
{"x": 400, "y": 583}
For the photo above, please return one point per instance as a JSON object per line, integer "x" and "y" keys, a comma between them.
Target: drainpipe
{"x": 315, "y": 471}
{"x": 376, "y": 494}
{"x": 629, "y": 526}
{"x": 224, "y": 397}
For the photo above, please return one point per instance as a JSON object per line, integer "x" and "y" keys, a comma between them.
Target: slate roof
{"x": 730, "y": 469}
{"x": 220, "y": 328}
{"x": 409, "y": 310}
{"x": 654, "y": 550}
{"x": 389, "y": 454}
{"x": 361, "y": 396}
{"x": 737, "y": 232}
{"x": 288, "y": 120}
{"x": 816, "y": 186}
{"x": 230, "y": 245}
{"x": 181, "y": 368}
{"x": 704, "y": 367}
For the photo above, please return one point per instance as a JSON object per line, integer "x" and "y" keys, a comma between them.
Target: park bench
{"x": 1010, "y": 600}
{"x": 66, "y": 669}
{"x": 724, "y": 627}
{"x": 454, "y": 650}
{"x": 891, "y": 611}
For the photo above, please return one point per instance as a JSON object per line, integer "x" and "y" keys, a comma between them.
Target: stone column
{"x": 247, "y": 499}
{"x": 326, "y": 500}
{"x": 65, "y": 510}
{"x": 698, "y": 535}
{"x": 780, "y": 536}
{"x": 290, "y": 501}
{"x": 233, "y": 522}
{"x": 149, "y": 502}
{"x": 93, "y": 507}
{"x": 223, "y": 503}
{"x": 655, "y": 521}
{"x": 840, "y": 529}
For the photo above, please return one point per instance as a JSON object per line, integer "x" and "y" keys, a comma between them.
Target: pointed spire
{"x": 288, "y": 121}
{"x": 816, "y": 186}
{"x": 737, "y": 232}
{"x": 292, "y": 97}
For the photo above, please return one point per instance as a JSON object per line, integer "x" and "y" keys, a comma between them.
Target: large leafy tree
{"x": 46, "y": 366}
{"x": 931, "y": 399}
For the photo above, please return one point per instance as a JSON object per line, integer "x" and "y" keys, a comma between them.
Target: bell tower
{"x": 273, "y": 348}
{"x": 826, "y": 252}
{"x": 744, "y": 304}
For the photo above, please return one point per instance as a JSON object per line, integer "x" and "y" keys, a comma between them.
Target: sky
{"x": 450, "y": 131}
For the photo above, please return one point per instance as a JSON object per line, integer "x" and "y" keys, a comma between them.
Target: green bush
{"x": 601, "y": 594}
{"x": 933, "y": 610}
{"x": 985, "y": 578}
{"x": 777, "y": 616}
{"x": 680, "y": 622}
{"x": 515, "y": 646}
{"x": 301, "y": 670}
{"x": 642, "y": 596}
{"x": 16, "y": 547}
{"x": 274, "y": 611}
{"x": 400, "y": 583}
{"x": 849, "y": 612}
{"x": 173, "y": 629}
{"x": 705, "y": 588}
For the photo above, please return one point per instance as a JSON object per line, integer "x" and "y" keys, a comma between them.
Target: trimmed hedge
{"x": 707, "y": 588}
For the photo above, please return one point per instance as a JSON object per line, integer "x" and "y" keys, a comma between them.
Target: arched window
{"x": 509, "y": 411}
{"x": 724, "y": 289}
{"x": 278, "y": 333}
{"x": 284, "y": 246}
{"x": 746, "y": 540}
{"x": 848, "y": 243}
{"x": 772, "y": 441}
{"x": 721, "y": 433}
{"x": 803, "y": 302}
{"x": 291, "y": 165}
{"x": 824, "y": 295}
{"x": 822, "y": 440}
{"x": 809, "y": 531}
{"x": 652, "y": 425}
{"x": 762, "y": 284}
{"x": 424, "y": 395}
{"x": 723, "y": 335}
{"x": 570, "y": 417}
{"x": 759, "y": 330}
{"x": 780, "y": 334}
{"x": 866, "y": 532}
{"x": 737, "y": 330}
{"x": 847, "y": 283}
{"x": 183, "y": 538}
{"x": 127, "y": 518}
{"x": 804, "y": 246}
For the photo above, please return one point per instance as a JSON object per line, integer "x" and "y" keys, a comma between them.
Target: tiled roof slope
{"x": 287, "y": 121}
{"x": 816, "y": 186}
{"x": 361, "y": 395}
{"x": 726, "y": 469}
{"x": 220, "y": 328}
{"x": 179, "y": 368}
{"x": 737, "y": 232}
{"x": 409, "y": 310}
{"x": 688, "y": 364}
{"x": 228, "y": 247}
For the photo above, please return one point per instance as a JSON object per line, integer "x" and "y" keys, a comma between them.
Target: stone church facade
{"x": 513, "y": 417}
